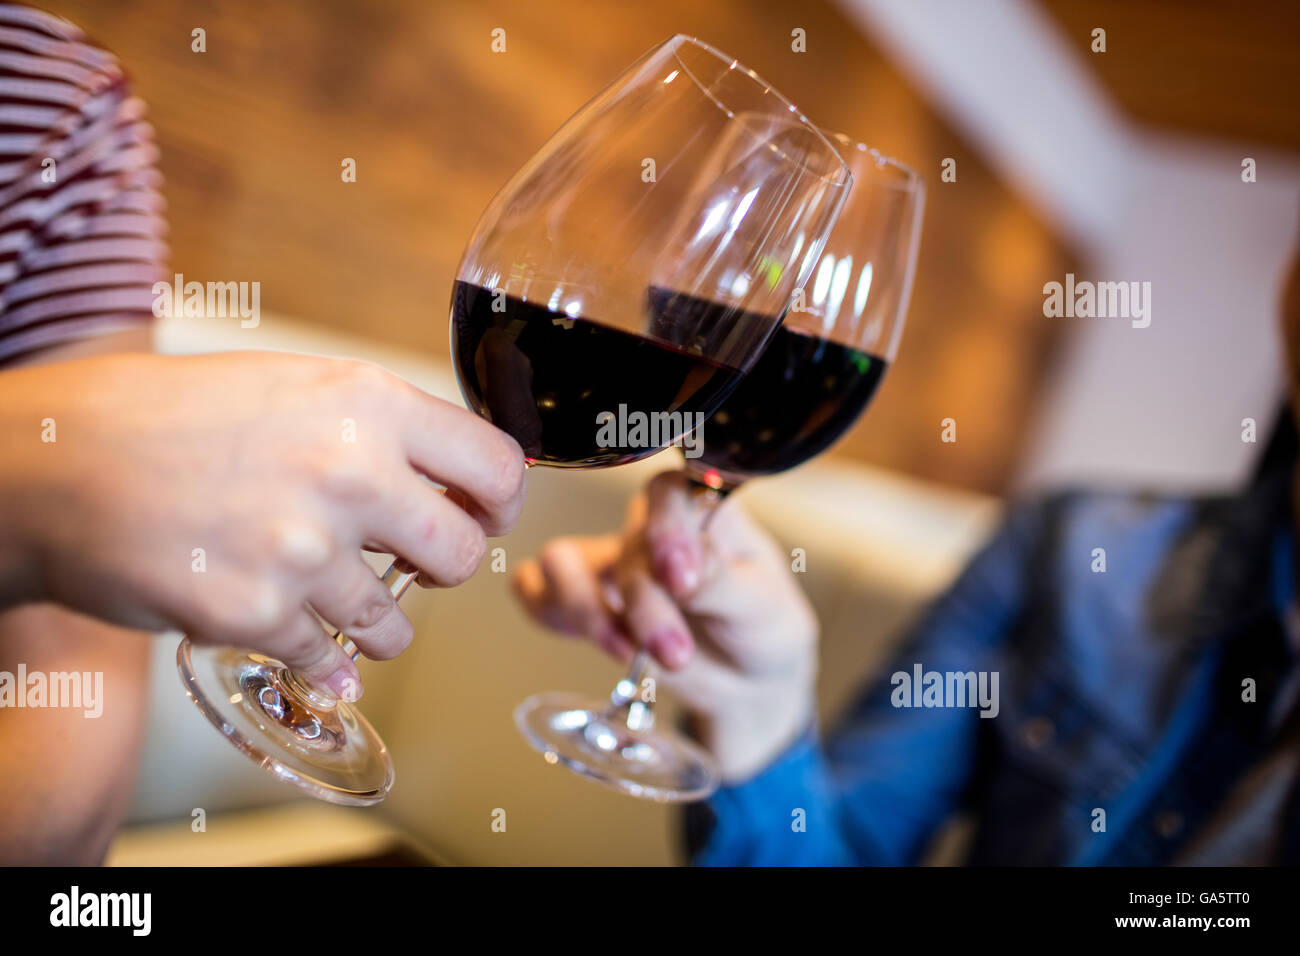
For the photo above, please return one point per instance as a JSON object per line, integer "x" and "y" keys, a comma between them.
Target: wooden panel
{"x": 253, "y": 132}
{"x": 1221, "y": 69}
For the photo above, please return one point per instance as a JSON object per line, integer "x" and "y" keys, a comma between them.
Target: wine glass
{"x": 610, "y": 296}
{"x": 818, "y": 373}
{"x": 824, "y": 365}
{"x": 617, "y": 289}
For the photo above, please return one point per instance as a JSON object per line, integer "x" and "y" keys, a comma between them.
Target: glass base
{"x": 318, "y": 744}
{"x": 593, "y": 739}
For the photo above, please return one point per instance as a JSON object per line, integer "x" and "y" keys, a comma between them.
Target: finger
{"x": 675, "y": 505}
{"x": 565, "y": 589}
{"x": 745, "y": 580}
{"x": 617, "y": 643}
{"x": 432, "y": 534}
{"x": 573, "y": 586}
{"x": 458, "y": 449}
{"x": 491, "y": 524}
{"x": 673, "y": 533}
{"x": 541, "y": 603}
{"x": 609, "y": 591}
{"x": 653, "y": 619}
{"x": 314, "y": 657}
{"x": 530, "y": 588}
{"x": 352, "y": 598}
{"x": 687, "y": 538}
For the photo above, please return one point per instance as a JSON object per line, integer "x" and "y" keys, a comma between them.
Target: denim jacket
{"x": 1120, "y": 690}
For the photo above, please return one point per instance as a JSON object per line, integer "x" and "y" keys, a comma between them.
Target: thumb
{"x": 317, "y": 659}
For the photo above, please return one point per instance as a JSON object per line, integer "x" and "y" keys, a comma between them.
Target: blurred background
{"x": 1122, "y": 165}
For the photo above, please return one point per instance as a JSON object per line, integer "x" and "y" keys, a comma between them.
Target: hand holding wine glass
{"x": 221, "y": 494}
{"x": 150, "y": 467}
{"x": 727, "y": 623}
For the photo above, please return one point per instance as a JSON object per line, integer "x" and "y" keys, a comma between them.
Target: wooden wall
{"x": 253, "y": 132}
{"x": 1226, "y": 70}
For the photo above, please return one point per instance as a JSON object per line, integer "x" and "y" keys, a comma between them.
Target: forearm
{"x": 759, "y": 725}
{"x": 65, "y": 774}
{"x": 65, "y": 777}
{"x": 27, "y": 433}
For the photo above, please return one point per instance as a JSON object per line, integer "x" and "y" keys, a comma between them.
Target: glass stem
{"x": 625, "y": 703}
{"x": 707, "y": 496}
{"x": 398, "y": 579}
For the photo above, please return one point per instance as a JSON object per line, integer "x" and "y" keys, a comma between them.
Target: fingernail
{"x": 345, "y": 683}
{"x": 671, "y": 647}
{"x": 678, "y": 569}
{"x": 612, "y": 595}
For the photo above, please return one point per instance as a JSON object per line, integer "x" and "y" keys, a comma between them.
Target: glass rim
{"x": 845, "y": 177}
{"x": 909, "y": 179}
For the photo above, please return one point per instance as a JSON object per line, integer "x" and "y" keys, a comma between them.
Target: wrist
{"x": 748, "y": 735}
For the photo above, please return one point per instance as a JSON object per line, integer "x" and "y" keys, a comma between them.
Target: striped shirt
{"x": 82, "y": 233}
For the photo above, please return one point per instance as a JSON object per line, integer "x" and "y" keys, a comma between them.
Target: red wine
{"x": 798, "y": 399}
{"x": 546, "y": 378}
